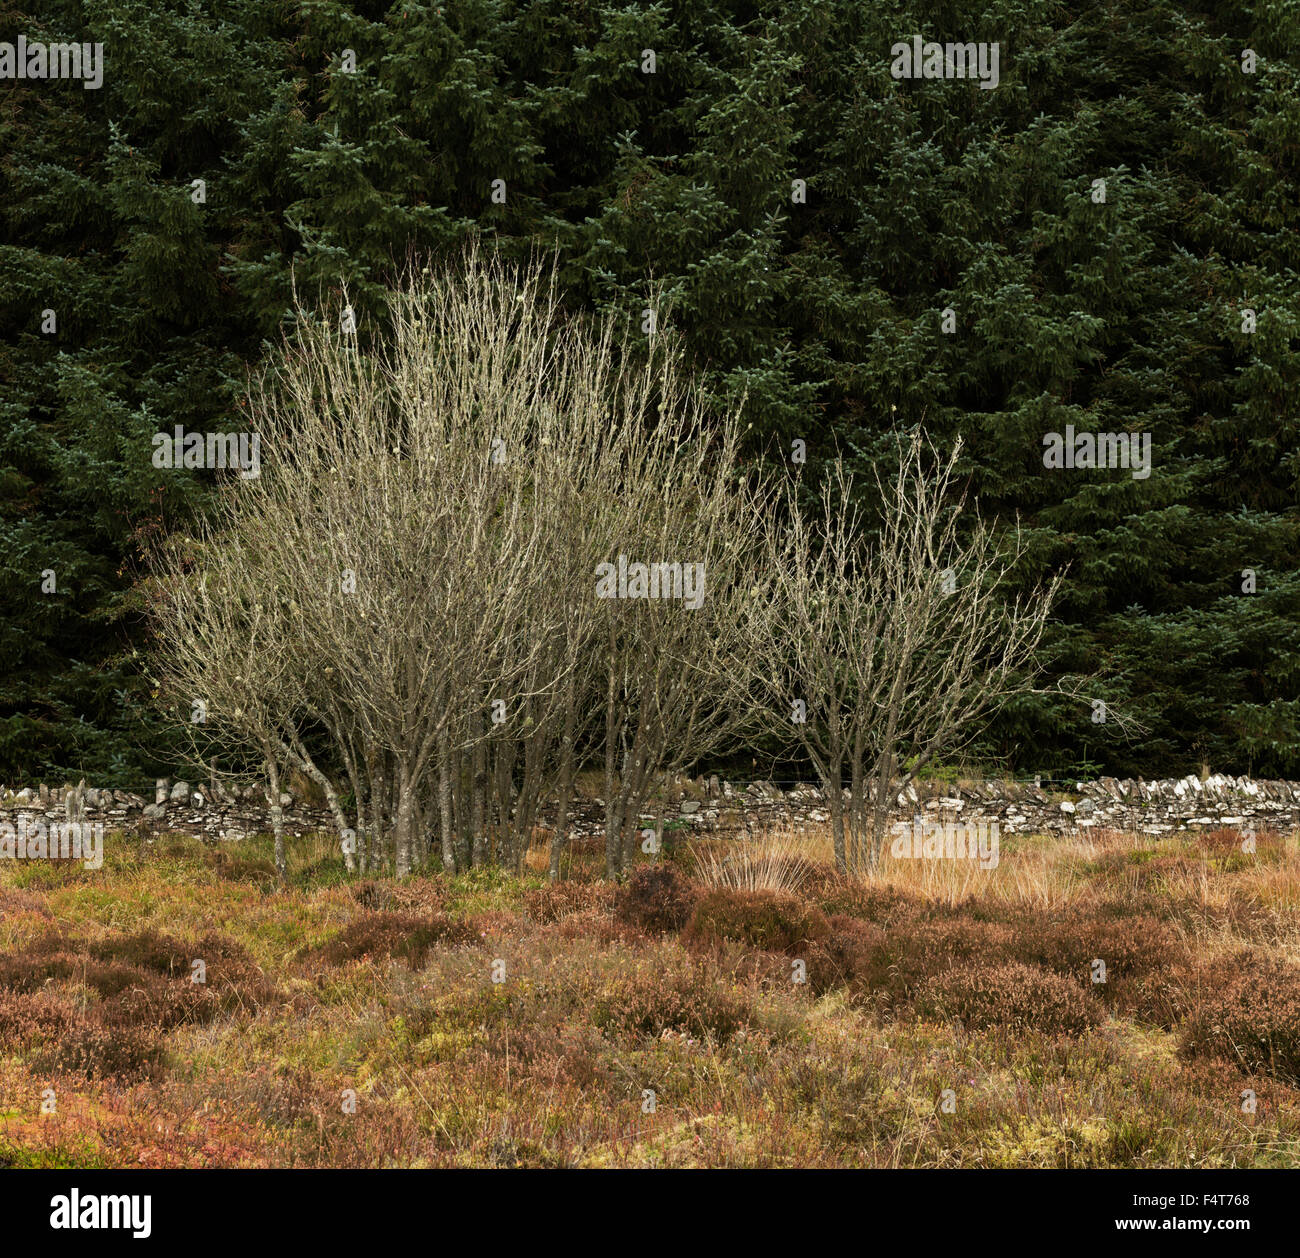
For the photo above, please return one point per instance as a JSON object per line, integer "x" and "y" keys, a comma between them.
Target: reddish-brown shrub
{"x": 868, "y": 901}
{"x": 558, "y": 900}
{"x": 651, "y": 1003}
{"x": 1224, "y": 846}
{"x": 14, "y": 901}
{"x": 918, "y": 949}
{"x": 658, "y": 898}
{"x": 375, "y": 896}
{"x": 1019, "y": 997}
{"x": 164, "y": 954}
{"x": 492, "y": 922}
{"x": 45, "y": 958}
{"x": 25, "y": 1016}
{"x": 851, "y": 950}
{"x": 231, "y": 978}
{"x": 241, "y": 866}
{"x": 762, "y": 971}
{"x": 141, "y": 980}
{"x": 774, "y": 920}
{"x": 596, "y": 926}
{"x": 399, "y": 935}
{"x": 1221, "y": 840}
{"x": 93, "y": 1048}
{"x": 412, "y": 894}
{"x": 54, "y": 1034}
{"x": 1245, "y": 1009}
{"x": 1132, "y": 945}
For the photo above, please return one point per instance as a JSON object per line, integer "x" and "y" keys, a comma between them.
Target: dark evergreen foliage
{"x": 1117, "y": 316}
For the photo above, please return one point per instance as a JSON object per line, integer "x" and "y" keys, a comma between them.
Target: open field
{"x": 948, "y": 1017}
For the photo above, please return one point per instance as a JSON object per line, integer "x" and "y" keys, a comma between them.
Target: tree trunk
{"x": 561, "y": 833}
{"x": 464, "y": 796}
{"x": 612, "y": 835}
{"x": 350, "y": 768}
{"x": 479, "y": 788}
{"x": 378, "y": 818}
{"x": 444, "y": 801}
{"x": 277, "y": 817}
{"x": 880, "y": 811}
{"x": 405, "y": 820}
{"x": 331, "y": 799}
{"x": 632, "y": 794}
{"x": 525, "y": 812}
{"x": 857, "y": 801}
{"x": 835, "y": 793}
{"x": 503, "y": 782}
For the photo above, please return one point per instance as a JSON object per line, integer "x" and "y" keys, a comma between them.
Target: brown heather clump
{"x": 595, "y": 926}
{"x": 375, "y": 896}
{"x": 917, "y": 942}
{"x": 1246, "y": 1010}
{"x": 1014, "y": 996}
{"x": 920, "y": 949}
{"x": 48, "y": 956}
{"x": 141, "y": 979}
{"x": 14, "y": 901}
{"x": 765, "y": 972}
{"x": 231, "y": 978}
{"x": 1221, "y": 840}
{"x": 882, "y": 964}
{"x": 415, "y": 895}
{"x": 26, "y": 1017}
{"x": 872, "y": 902}
{"x": 93, "y": 1048}
{"x": 1133, "y": 947}
{"x": 686, "y": 1000}
{"x": 98, "y": 1008}
{"x": 658, "y": 899}
{"x": 56, "y": 1032}
{"x": 399, "y": 935}
{"x": 558, "y": 900}
{"x": 239, "y": 867}
{"x": 774, "y": 920}
{"x": 852, "y": 950}
{"x": 222, "y": 956}
{"x": 1224, "y": 846}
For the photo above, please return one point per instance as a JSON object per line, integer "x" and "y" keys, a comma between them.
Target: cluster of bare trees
{"x": 405, "y": 605}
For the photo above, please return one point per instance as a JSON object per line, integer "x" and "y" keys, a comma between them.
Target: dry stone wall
{"x": 219, "y": 811}
{"x": 223, "y": 811}
{"x": 1159, "y": 807}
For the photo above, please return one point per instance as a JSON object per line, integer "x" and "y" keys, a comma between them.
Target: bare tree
{"x": 883, "y": 652}
{"x": 220, "y": 659}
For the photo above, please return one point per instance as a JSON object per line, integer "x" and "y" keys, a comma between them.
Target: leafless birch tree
{"x": 883, "y": 652}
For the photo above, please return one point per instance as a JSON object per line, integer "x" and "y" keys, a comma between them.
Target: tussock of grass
{"x": 782, "y": 860}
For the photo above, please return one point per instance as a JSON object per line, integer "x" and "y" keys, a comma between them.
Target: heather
{"x": 927, "y": 1016}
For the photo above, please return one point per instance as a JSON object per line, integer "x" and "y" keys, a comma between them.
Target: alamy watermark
{"x": 933, "y": 840}
{"x": 209, "y": 450}
{"x": 1130, "y": 450}
{"x": 55, "y": 840}
{"x": 25, "y": 60}
{"x": 920, "y": 60}
{"x": 683, "y": 581}
{"x": 127, "y": 1212}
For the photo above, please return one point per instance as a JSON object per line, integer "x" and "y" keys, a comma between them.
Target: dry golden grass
{"x": 778, "y": 860}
